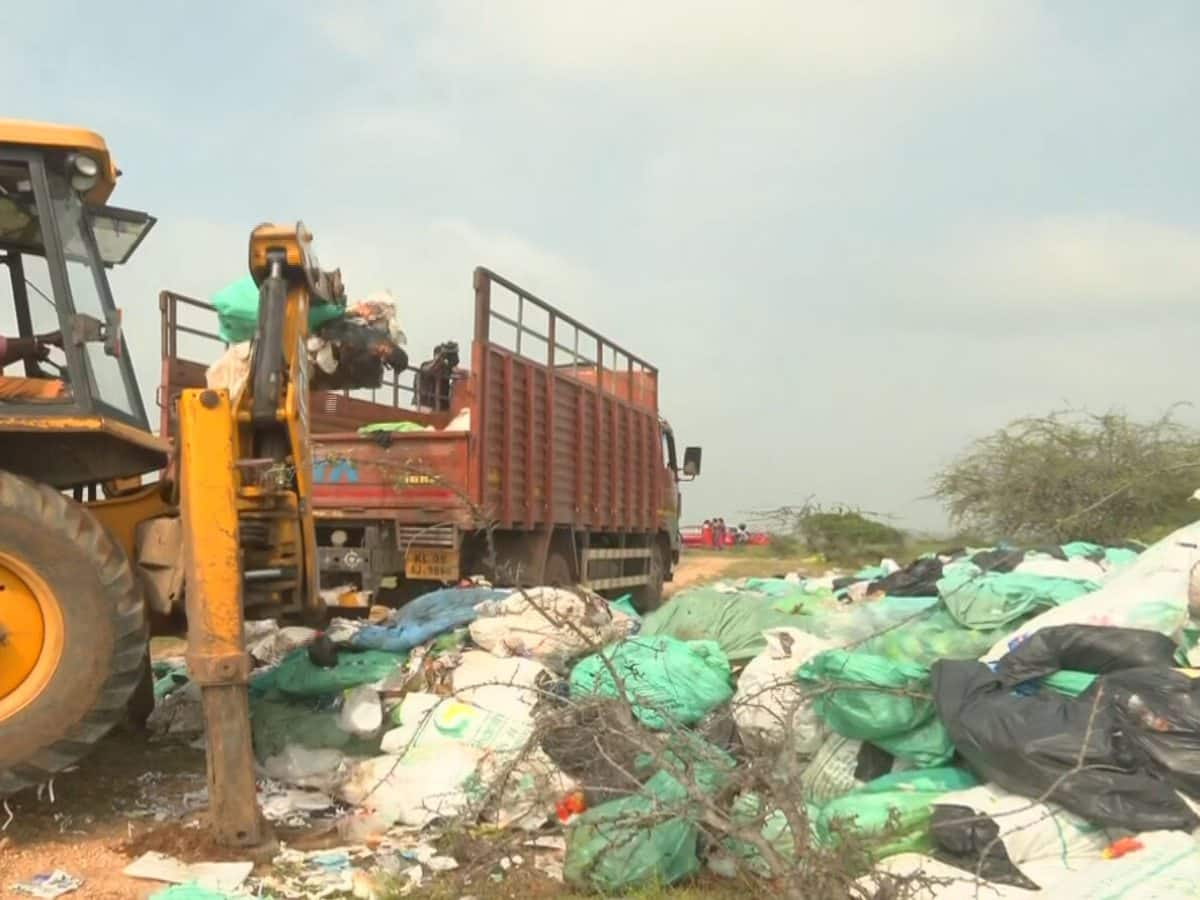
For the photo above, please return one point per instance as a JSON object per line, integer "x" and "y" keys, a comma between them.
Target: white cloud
{"x": 690, "y": 40}
{"x": 1071, "y": 261}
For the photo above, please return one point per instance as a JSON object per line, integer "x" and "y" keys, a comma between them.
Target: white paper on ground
{"x": 214, "y": 876}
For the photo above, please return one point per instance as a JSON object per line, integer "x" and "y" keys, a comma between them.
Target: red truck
{"x": 545, "y": 462}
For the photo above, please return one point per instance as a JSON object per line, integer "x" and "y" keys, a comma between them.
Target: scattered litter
{"x": 213, "y": 876}
{"x": 272, "y": 645}
{"x": 292, "y": 806}
{"x": 54, "y": 884}
{"x": 305, "y": 767}
{"x": 47, "y": 788}
{"x": 323, "y": 873}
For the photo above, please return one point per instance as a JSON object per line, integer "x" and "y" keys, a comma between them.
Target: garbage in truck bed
{"x": 348, "y": 347}
{"x": 1011, "y": 721}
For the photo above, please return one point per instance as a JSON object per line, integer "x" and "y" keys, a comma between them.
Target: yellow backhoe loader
{"x": 75, "y": 445}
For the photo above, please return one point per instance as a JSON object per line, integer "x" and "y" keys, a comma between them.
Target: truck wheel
{"x": 648, "y": 597}
{"x": 72, "y": 632}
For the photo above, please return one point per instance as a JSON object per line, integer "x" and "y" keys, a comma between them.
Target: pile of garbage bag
{"x": 897, "y": 692}
{"x": 349, "y": 347}
{"x": 1021, "y": 719}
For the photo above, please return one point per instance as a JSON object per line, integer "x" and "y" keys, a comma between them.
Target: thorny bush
{"x": 1075, "y": 475}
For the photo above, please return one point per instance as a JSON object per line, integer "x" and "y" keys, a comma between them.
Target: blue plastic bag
{"x": 425, "y": 618}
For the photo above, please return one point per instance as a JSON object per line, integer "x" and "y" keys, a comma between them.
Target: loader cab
{"x": 75, "y": 416}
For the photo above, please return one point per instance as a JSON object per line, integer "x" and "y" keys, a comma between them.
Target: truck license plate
{"x": 423, "y": 564}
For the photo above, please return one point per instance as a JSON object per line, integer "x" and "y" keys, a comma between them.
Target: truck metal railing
{"x": 521, "y": 323}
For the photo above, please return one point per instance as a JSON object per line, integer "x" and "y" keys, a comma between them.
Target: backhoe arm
{"x": 245, "y": 476}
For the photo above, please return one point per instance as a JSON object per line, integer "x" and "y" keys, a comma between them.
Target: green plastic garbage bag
{"x": 1076, "y": 549}
{"x": 856, "y": 623}
{"x": 297, "y": 675}
{"x": 925, "y": 747}
{"x": 643, "y": 839}
{"x": 275, "y": 722}
{"x": 892, "y": 813}
{"x": 690, "y": 758}
{"x": 988, "y": 600}
{"x": 1068, "y": 682}
{"x": 746, "y": 811}
{"x": 870, "y": 573}
{"x": 734, "y": 620}
{"x": 168, "y": 677}
{"x": 1119, "y": 557}
{"x": 667, "y": 681}
{"x": 391, "y": 427}
{"x": 782, "y": 587}
{"x": 624, "y": 605}
{"x": 237, "y": 311}
{"x": 932, "y": 636}
{"x": 856, "y": 708}
{"x": 737, "y": 620}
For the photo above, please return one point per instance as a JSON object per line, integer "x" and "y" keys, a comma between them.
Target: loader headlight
{"x": 84, "y": 172}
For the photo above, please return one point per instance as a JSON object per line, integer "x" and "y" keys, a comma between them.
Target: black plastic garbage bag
{"x": 970, "y": 841}
{"x": 1001, "y": 559}
{"x": 1158, "y": 711}
{"x": 1073, "y": 751}
{"x": 361, "y": 353}
{"x": 1086, "y": 648}
{"x": 917, "y": 580}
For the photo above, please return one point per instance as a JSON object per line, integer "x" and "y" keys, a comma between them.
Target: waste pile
{"x": 1022, "y": 719}
{"x": 350, "y": 346}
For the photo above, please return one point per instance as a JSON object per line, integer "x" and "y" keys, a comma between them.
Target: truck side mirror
{"x": 691, "y": 461}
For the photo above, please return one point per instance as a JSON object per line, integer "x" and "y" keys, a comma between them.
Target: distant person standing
{"x": 706, "y": 533}
{"x": 719, "y": 534}
{"x": 743, "y": 534}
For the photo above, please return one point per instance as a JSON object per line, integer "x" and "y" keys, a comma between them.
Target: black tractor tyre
{"x": 103, "y": 637}
{"x": 649, "y": 596}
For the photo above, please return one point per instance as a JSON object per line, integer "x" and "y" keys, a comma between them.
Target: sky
{"x": 854, "y": 236}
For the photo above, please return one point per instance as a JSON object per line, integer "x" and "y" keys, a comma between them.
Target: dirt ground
{"x": 697, "y": 568}
{"x": 95, "y": 811}
{"x": 103, "y": 814}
